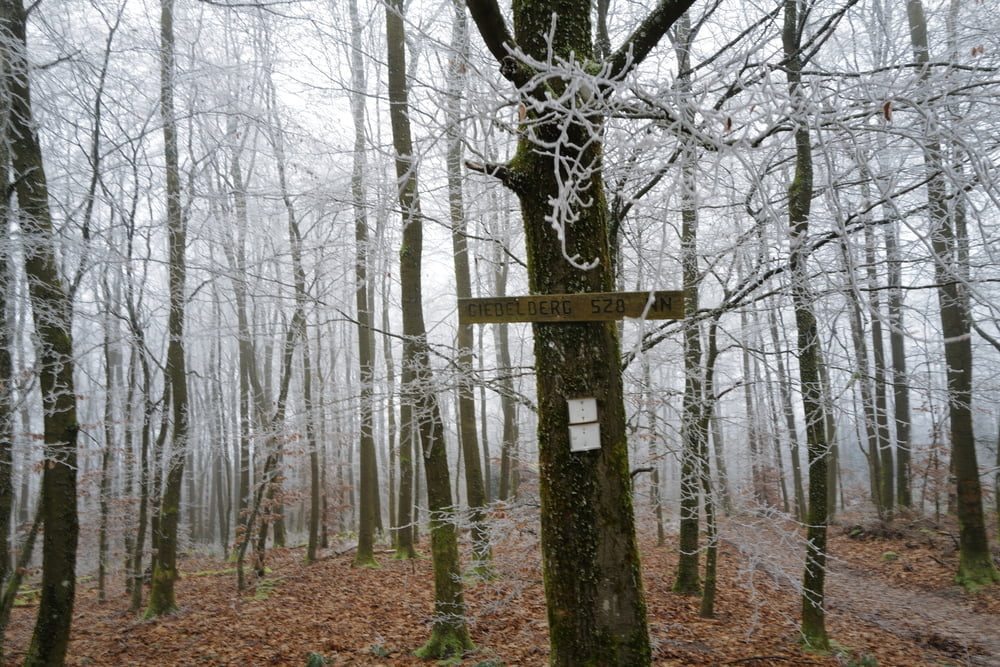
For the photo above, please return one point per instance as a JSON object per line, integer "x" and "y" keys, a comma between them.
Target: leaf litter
{"x": 898, "y": 610}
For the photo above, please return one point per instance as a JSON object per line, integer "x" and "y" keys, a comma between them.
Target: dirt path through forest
{"x": 940, "y": 620}
{"x": 928, "y": 618}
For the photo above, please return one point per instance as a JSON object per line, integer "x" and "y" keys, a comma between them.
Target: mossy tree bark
{"x": 162, "y": 598}
{"x": 449, "y": 634}
{"x": 52, "y": 313}
{"x": 596, "y": 605}
{"x": 404, "y": 521}
{"x": 975, "y": 567}
{"x": 800, "y": 193}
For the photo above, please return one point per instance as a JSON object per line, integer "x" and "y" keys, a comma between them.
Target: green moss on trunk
{"x": 161, "y": 592}
{"x": 447, "y": 645}
{"x": 52, "y": 315}
{"x": 596, "y": 606}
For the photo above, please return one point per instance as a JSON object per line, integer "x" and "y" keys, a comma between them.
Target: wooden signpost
{"x": 588, "y": 307}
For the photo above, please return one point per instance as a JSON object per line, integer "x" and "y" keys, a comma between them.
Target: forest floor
{"x": 890, "y": 598}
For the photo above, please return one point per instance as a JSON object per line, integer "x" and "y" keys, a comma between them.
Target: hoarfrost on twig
{"x": 574, "y": 96}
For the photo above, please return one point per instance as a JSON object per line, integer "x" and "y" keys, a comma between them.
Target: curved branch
{"x": 646, "y": 36}
{"x": 494, "y": 30}
{"x": 509, "y": 177}
{"x": 988, "y": 338}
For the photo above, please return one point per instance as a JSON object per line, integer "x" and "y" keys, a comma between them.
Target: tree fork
{"x": 593, "y": 584}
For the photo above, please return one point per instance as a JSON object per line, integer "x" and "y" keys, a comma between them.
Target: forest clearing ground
{"x": 902, "y": 610}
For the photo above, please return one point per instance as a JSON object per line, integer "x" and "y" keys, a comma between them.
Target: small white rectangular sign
{"x": 582, "y": 410}
{"x": 584, "y": 437}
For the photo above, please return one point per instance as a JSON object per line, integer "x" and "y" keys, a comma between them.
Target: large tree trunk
{"x": 800, "y": 193}
{"x": 449, "y": 634}
{"x": 8, "y": 575}
{"x": 52, "y": 311}
{"x": 975, "y": 568}
{"x": 161, "y": 593}
{"x": 596, "y": 605}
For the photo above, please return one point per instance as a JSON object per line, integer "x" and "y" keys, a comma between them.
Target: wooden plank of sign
{"x": 589, "y": 307}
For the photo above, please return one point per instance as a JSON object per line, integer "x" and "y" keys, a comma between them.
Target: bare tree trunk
{"x": 761, "y": 491}
{"x": 139, "y": 373}
{"x": 900, "y": 378}
{"x": 312, "y": 444}
{"x": 788, "y": 410}
{"x": 468, "y": 436}
{"x": 449, "y": 634}
{"x": 693, "y": 436}
{"x": 866, "y": 386}
{"x": 830, "y": 431}
{"x": 718, "y": 455}
{"x": 161, "y": 593}
{"x": 887, "y": 470}
{"x": 508, "y": 406}
{"x": 655, "y": 487}
{"x": 764, "y": 373}
{"x": 975, "y": 567}
{"x": 112, "y": 377}
{"x": 707, "y": 607}
{"x": 368, "y": 493}
{"x": 402, "y": 518}
{"x": 52, "y": 312}
{"x": 7, "y": 381}
{"x": 800, "y": 193}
